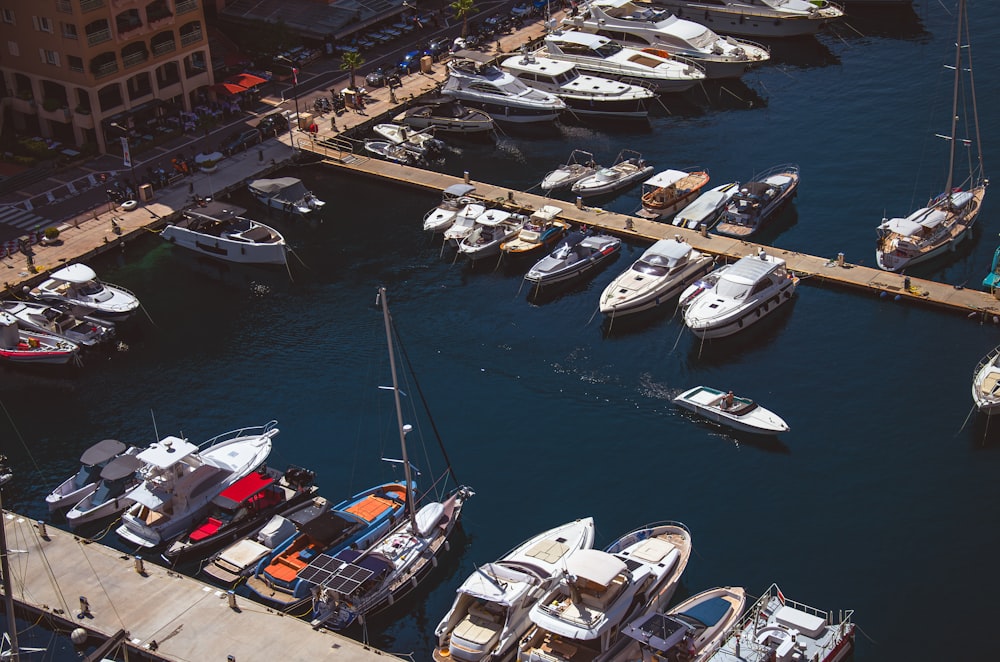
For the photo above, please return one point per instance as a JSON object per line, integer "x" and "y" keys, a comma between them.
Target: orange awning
{"x": 228, "y": 88}
{"x": 246, "y": 80}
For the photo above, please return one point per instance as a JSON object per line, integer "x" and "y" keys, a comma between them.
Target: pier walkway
{"x": 165, "y": 614}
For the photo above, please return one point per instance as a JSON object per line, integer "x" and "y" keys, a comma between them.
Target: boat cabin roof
{"x": 458, "y": 190}
{"x": 167, "y": 452}
{"x": 666, "y": 252}
{"x": 529, "y": 62}
{"x": 75, "y": 273}
{"x": 665, "y": 178}
{"x": 276, "y": 185}
{"x": 546, "y": 213}
{"x": 596, "y": 566}
{"x": 120, "y": 467}
{"x": 101, "y": 452}
{"x": 243, "y": 489}
{"x": 493, "y": 217}
{"x": 748, "y": 270}
{"x": 582, "y": 38}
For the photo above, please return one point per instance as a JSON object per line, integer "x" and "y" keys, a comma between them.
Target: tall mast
{"x": 954, "y": 101}
{"x": 8, "y": 582}
{"x": 403, "y": 429}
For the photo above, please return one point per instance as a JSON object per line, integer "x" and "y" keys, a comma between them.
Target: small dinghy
{"x": 727, "y": 409}
{"x": 580, "y": 164}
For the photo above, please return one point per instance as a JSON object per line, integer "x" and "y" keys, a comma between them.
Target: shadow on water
{"x": 720, "y": 352}
{"x": 805, "y": 52}
{"x": 763, "y": 442}
{"x": 710, "y": 96}
{"x": 633, "y": 323}
{"x": 899, "y": 21}
{"x": 546, "y": 294}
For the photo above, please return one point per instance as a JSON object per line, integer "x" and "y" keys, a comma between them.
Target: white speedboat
{"x": 117, "y": 480}
{"x": 706, "y": 208}
{"x": 578, "y": 254}
{"x": 602, "y": 56}
{"x": 180, "y": 480}
{"x": 581, "y": 618}
{"x": 507, "y": 99}
{"x": 776, "y": 628}
{"x": 492, "y": 228}
{"x": 77, "y": 287}
{"x": 948, "y": 218}
{"x": 759, "y": 201}
{"x": 53, "y": 320}
{"x": 758, "y": 18}
{"x": 490, "y": 613}
{"x": 287, "y": 194}
{"x": 465, "y": 220}
{"x": 579, "y": 165}
{"x": 25, "y": 347}
{"x": 627, "y": 169}
{"x": 446, "y": 115}
{"x": 739, "y": 413}
{"x": 658, "y": 276}
{"x": 422, "y": 142}
{"x": 390, "y": 151}
{"x": 583, "y": 94}
{"x": 738, "y": 295}
{"x": 690, "y": 631}
{"x": 635, "y": 23}
{"x": 453, "y": 199}
{"x": 221, "y": 233}
{"x": 666, "y": 192}
{"x": 986, "y": 383}
{"x": 85, "y": 480}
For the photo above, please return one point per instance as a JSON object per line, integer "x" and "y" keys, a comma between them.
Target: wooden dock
{"x": 82, "y": 584}
{"x": 827, "y": 270}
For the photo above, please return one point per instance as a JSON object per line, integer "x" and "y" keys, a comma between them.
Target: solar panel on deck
{"x": 345, "y": 581}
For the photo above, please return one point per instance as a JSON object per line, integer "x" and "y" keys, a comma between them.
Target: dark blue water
{"x": 882, "y": 496}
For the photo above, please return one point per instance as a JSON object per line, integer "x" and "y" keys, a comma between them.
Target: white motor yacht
{"x": 583, "y": 94}
{"x": 738, "y": 295}
{"x": 77, "y": 287}
{"x": 221, "y": 233}
{"x": 627, "y": 169}
{"x": 465, "y": 220}
{"x": 490, "y": 613}
{"x": 658, "y": 276}
{"x": 648, "y": 27}
{"x": 602, "y": 56}
{"x": 180, "y": 480}
{"x": 758, "y": 18}
{"x": 481, "y": 85}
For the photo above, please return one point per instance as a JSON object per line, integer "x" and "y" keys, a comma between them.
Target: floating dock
{"x": 83, "y": 584}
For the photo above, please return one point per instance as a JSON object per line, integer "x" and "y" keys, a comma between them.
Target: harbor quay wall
{"x": 165, "y": 615}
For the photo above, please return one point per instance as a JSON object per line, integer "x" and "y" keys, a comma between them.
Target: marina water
{"x": 881, "y": 498}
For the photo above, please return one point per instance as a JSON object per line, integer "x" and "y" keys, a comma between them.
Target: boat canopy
{"x": 120, "y": 467}
{"x": 282, "y": 188}
{"x": 458, "y": 190}
{"x": 666, "y": 253}
{"x": 493, "y": 217}
{"x": 167, "y": 452}
{"x": 497, "y": 583}
{"x": 101, "y": 452}
{"x": 428, "y": 517}
{"x": 665, "y": 178}
{"x": 329, "y": 527}
{"x": 594, "y": 565}
{"x": 74, "y": 273}
{"x": 243, "y": 489}
{"x": 546, "y": 213}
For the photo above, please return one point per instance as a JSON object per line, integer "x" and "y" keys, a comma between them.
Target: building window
{"x": 8, "y": 16}
{"x": 74, "y": 63}
{"x": 12, "y": 47}
{"x": 69, "y": 31}
{"x": 49, "y": 57}
{"x": 42, "y": 24}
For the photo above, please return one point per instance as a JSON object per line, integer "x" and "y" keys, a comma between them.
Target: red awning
{"x": 246, "y": 80}
{"x": 228, "y": 88}
{"x": 246, "y": 487}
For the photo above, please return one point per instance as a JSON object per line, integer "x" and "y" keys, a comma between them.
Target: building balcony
{"x": 106, "y": 70}
{"x": 132, "y": 31}
{"x": 21, "y": 105}
{"x": 134, "y": 59}
{"x": 99, "y": 37}
{"x": 64, "y": 6}
{"x": 192, "y": 37}
{"x": 164, "y": 47}
{"x": 185, "y": 6}
{"x": 83, "y": 119}
{"x": 61, "y": 115}
{"x": 90, "y": 5}
{"x": 161, "y": 22}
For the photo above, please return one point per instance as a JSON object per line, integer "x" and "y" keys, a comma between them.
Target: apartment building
{"x": 92, "y": 71}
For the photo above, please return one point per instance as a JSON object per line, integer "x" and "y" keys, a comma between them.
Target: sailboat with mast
{"x": 352, "y": 585}
{"x": 948, "y": 217}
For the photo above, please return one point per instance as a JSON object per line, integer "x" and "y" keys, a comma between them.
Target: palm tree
{"x": 462, "y": 9}
{"x": 351, "y": 62}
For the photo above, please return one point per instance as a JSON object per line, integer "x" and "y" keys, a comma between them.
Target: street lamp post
{"x": 295, "y": 87}
{"x": 127, "y": 153}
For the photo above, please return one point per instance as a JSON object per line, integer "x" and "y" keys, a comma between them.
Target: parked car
{"x": 410, "y": 62}
{"x": 438, "y": 47}
{"x": 272, "y": 125}
{"x": 240, "y": 141}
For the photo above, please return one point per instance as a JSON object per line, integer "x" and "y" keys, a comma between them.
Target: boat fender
{"x": 447, "y": 545}
{"x": 434, "y": 562}
{"x": 413, "y": 582}
{"x": 392, "y": 599}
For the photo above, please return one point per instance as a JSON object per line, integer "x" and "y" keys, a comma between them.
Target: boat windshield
{"x": 609, "y": 49}
{"x": 655, "y": 267}
{"x": 731, "y": 289}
